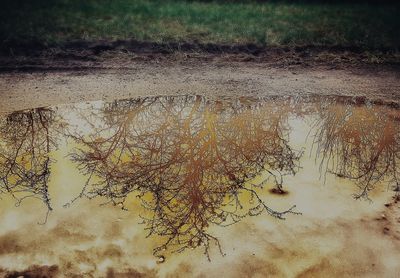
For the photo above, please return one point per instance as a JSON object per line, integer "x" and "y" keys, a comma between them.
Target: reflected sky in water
{"x": 187, "y": 165}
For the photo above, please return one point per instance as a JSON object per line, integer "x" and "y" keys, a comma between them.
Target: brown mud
{"x": 82, "y": 54}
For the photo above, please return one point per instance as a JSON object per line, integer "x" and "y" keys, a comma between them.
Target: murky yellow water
{"x": 194, "y": 186}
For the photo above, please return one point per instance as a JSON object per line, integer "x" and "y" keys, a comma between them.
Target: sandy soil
{"x": 107, "y": 81}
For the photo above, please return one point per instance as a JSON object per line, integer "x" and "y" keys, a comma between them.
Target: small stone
{"x": 160, "y": 259}
{"x": 383, "y": 217}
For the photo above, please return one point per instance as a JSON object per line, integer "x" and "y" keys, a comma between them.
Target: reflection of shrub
{"x": 26, "y": 139}
{"x": 189, "y": 160}
{"x": 360, "y": 143}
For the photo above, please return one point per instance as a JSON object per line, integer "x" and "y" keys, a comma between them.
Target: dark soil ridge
{"x": 98, "y": 46}
{"x": 14, "y": 54}
{"x": 100, "y": 57}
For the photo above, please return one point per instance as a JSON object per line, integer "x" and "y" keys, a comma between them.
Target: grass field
{"x": 264, "y": 23}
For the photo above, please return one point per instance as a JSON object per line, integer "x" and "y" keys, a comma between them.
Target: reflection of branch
{"x": 360, "y": 143}
{"x": 26, "y": 139}
{"x": 189, "y": 161}
{"x": 257, "y": 210}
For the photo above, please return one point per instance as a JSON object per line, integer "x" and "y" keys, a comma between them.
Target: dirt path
{"x": 21, "y": 90}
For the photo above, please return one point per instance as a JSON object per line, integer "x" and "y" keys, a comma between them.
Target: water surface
{"x": 174, "y": 185}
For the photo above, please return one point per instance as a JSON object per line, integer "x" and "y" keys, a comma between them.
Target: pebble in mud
{"x": 382, "y": 217}
{"x": 386, "y": 230}
{"x": 160, "y": 259}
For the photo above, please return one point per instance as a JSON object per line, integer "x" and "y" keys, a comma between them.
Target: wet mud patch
{"x": 160, "y": 185}
{"x": 33, "y": 271}
{"x": 278, "y": 191}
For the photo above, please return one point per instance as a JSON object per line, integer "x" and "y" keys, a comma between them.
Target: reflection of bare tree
{"x": 26, "y": 139}
{"x": 361, "y": 143}
{"x": 188, "y": 159}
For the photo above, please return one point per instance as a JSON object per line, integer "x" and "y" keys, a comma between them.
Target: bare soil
{"x": 27, "y": 81}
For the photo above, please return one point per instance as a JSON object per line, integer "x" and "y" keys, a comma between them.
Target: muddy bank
{"x": 21, "y": 90}
{"x": 132, "y": 45}
{"x": 82, "y": 54}
{"x": 95, "y": 47}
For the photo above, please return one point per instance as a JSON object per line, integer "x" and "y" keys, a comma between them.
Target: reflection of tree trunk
{"x": 360, "y": 143}
{"x": 26, "y": 139}
{"x": 189, "y": 160}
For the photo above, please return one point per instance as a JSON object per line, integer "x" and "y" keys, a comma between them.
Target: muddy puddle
{"x": 195, "y": 186}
